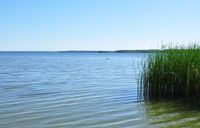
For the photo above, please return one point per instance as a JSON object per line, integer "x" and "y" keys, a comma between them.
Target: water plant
{"x": 173, "y": 71}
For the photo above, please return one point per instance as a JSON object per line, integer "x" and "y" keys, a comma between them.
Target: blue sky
{"x": 51, "y": 25}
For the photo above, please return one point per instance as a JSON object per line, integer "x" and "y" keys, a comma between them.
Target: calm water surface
{"x": 72, "y": 90}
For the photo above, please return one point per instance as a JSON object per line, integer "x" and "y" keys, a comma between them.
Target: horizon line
{"x": 77, "y": 50}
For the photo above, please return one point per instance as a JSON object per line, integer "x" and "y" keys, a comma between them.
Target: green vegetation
{"x": 173, "y": 72}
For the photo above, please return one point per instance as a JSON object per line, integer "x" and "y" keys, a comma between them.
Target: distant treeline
{"x": 74, "y": 51}
{"x": 137, "y": 51}
{"x": 117, "y": 51}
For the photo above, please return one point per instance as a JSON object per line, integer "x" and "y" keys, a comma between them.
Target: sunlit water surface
{"x": 73, "y": 90}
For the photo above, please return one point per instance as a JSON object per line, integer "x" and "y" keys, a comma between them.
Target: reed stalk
{"x": 172, "y": 72}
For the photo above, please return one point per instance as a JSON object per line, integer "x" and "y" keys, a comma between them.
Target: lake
{"x": 80, "y": 90}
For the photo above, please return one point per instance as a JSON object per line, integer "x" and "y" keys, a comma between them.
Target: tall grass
{"x": 172, "y": 72}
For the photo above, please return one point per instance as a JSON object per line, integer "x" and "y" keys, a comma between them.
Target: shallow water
{"x": 173, "y": 114}
{"x": 72, "y": 90}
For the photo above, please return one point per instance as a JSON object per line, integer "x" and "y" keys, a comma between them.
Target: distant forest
{"x": 117, "y": 51}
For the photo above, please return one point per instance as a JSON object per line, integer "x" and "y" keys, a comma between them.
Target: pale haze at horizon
{"x": 53, "y": 25}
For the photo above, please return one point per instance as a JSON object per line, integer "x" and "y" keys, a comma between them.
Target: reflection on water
{"x": 174, "y": 113}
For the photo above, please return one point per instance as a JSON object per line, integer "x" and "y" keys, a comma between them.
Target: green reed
{"x": 172, "y": 72}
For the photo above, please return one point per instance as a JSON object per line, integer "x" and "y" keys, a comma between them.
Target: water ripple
{"x": 69, "y": 91}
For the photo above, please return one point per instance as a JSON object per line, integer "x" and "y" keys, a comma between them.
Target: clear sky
{"x": 47, "y": 25}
